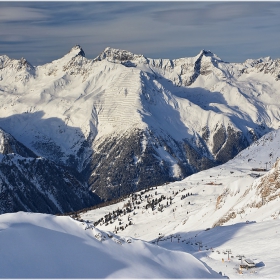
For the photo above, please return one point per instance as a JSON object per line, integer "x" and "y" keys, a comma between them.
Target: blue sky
{"x": 235, "y": 31}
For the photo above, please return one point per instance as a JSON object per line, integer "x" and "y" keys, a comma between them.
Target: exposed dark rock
{"x": 235, "y": 143}
{"x": 205, "y": 133}
{"x": 219, "y": 138}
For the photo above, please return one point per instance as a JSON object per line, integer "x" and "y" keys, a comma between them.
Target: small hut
{"x": 247, "y": 264}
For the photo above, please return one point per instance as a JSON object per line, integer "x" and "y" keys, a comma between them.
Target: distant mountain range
{"x": 78, "y": 131}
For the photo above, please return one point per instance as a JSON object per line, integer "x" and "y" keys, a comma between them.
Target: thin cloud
{"x": 17, "y": 14}
{"x": 216, "y": 13}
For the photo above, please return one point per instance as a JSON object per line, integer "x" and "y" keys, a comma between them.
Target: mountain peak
{"x": 77, "y": 50}
{"x": 18, "y": 64}
{"x": 117, "y": 54}
{"x": 208, "y": 54}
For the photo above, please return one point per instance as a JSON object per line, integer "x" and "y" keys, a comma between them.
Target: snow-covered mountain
{"x": 181, "y": 240}
{"x": 127, "y": 122}
{"x": 31, "y": 183}
{"x": 230, "y": 193}
{"x": 45, "y": 246}
{"x": 232, "y": 206}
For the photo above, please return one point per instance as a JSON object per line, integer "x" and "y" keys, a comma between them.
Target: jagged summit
{"x": 70, "y": 62}
{"x": 117, "y": 54}
{"x": 77, "y": 50}
{"x": 124, "y": 55}
{"x": 209, "y": 54}
{"x": 261, "y": 60}
{"x": 17, "y": 64}
{"x": 25, "y": 63}
{"x": 204, "y": 52}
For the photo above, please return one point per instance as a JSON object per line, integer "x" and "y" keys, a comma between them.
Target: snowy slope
{"x": 221, "y": 199}
{"x": 127, "y": 122}
{"x": 213, "y": 194}
{"x": 46, "y": 246}
{"x": 257, "y": 241}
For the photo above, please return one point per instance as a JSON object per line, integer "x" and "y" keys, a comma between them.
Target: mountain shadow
{"x": 37, "y": 184}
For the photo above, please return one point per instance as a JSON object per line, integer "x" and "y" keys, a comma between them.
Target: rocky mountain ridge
{"x": 126, "y": 122}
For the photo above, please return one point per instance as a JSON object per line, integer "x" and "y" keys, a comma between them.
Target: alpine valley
{"x": 77, "y": 131}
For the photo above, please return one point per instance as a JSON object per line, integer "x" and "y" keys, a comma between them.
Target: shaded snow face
{"x": 32, "y": 183}
{"x": 46, "y": 246}
{"x": 9, "y": 145}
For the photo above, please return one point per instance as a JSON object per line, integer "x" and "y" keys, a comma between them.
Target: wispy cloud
{"x": 216, "y": 13}
{"x": 19, "y": 14}
{"x": 43, "y": 31}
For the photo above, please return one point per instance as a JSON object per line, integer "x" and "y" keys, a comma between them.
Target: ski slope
{"x": 257, "y": 241}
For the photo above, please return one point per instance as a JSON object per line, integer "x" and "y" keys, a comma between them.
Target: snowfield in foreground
{"x": 45, "y": 246}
